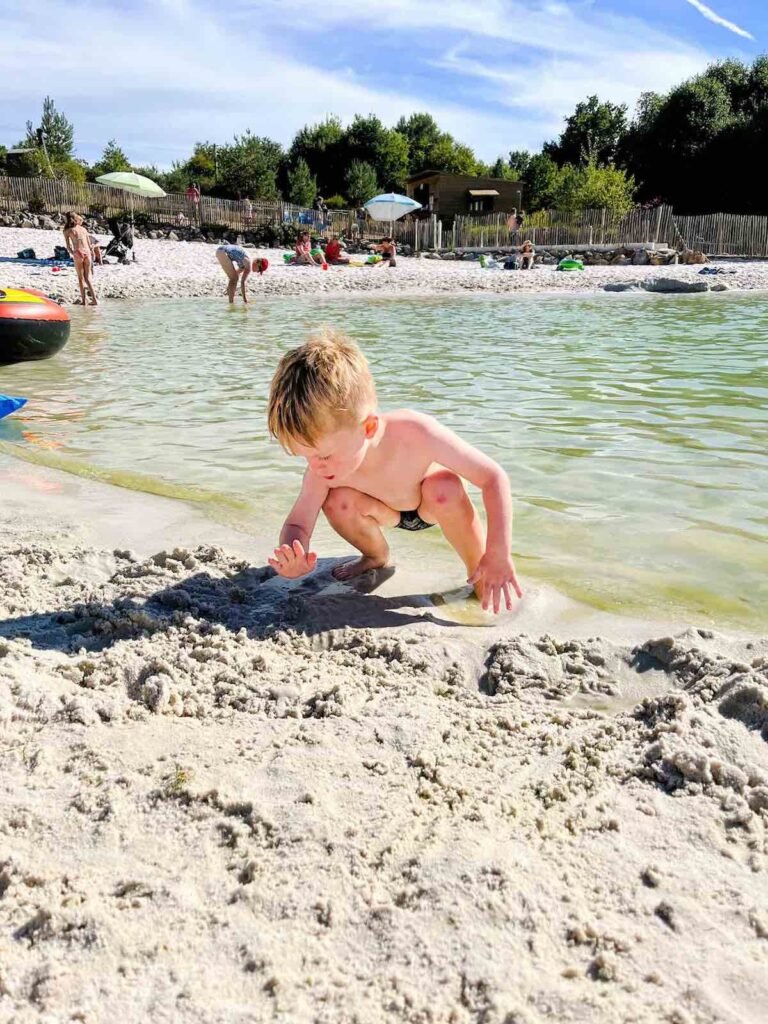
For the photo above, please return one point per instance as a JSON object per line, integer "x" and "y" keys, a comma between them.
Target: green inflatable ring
{"x": 570, "y": 264}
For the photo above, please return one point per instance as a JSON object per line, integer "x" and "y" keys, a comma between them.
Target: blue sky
{"x": 498, "y": 74}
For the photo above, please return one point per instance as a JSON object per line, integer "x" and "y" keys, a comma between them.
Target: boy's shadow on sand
{"x": 254, "y": 599}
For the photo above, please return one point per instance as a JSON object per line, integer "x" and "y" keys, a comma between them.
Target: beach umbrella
{"x": 133, "y": 184}
{"x": 390, "y": 206}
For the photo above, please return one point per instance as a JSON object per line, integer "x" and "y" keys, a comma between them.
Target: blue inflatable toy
{"x": 9, "y": 405}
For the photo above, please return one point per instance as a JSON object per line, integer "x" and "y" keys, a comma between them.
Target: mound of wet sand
{"x": 221, "y": 802}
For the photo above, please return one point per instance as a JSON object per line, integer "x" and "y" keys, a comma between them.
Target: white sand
{"x": 220, "y": 802}
{"x": 185, "y": 269}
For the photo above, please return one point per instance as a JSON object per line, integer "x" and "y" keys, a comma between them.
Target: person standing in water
{"x": 236, "y": 264}
{"x": 78, "y": 242}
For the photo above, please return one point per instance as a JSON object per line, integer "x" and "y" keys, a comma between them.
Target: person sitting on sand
{"x": 98, "y": 255}
{"x": 388, "y": 251}
{"x": 369, "y": 470}
{"x": 527, "y": 255}
{"x": 302, "y": 252}
{"x": 333, "y": 253}
{"x": 236, "y": 264}
{"x": 78, "y": 242}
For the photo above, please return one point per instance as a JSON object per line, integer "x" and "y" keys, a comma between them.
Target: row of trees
{"x": 685, "y": 147}
{"x": 701, "y": 147}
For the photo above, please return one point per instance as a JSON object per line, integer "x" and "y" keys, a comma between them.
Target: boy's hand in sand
{"x": 495, "y": 575}
{"x": 292, "y": 561}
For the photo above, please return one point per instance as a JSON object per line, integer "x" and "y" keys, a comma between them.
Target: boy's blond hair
{"x": 320, "y": 386}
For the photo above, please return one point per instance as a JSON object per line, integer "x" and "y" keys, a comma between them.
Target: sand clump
{"x": 219, "y": 805}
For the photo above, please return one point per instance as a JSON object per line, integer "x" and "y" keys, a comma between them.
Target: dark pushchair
{"x": 121, "y": 243}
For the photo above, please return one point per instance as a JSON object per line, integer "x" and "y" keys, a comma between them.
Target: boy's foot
{"x": 349, "y": 570}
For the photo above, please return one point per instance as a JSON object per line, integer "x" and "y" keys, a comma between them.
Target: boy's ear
{"x": 370, "y": 426}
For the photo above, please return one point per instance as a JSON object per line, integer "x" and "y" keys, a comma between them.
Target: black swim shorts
{"x": 412, "y": 521}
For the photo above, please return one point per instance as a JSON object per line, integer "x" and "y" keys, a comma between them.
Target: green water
{"x": 634, "y": 429}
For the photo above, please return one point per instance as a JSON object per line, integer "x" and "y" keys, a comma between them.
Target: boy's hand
{"x": 496, "y": 574}
{"x": 292, "y": 561}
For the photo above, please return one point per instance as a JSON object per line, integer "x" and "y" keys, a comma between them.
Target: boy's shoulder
{"x": 405, "y": 422}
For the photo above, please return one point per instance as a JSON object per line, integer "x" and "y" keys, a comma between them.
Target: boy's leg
{"x": 444, "y": 501}
{"x": 358, "y": 518}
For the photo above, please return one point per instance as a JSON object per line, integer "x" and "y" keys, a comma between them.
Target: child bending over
{"x": 368, "y": 470}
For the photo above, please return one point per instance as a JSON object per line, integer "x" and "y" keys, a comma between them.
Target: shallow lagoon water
{"x": 634, "y": 429}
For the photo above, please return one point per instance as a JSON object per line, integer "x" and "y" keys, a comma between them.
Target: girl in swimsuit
{"x": 79, "y": 244}
{"x": 236, "y": 264}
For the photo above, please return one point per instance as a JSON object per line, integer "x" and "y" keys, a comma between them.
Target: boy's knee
{"x": 442, "y": 490}
{"x": 340, "y": 502}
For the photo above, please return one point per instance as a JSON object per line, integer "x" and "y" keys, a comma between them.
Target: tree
{"x": 321, "y": 146}
{"x": 368, "y": 141}
{"x": 421, "y": 133}
{"x": 539, "y": 181}
{"x": 519, "y": 160}
{"x": 361, "y": 184}
{"x": 302, "y": 187}
{"x": 112, "y": 159}
{"x": 501, "y": 169}
{"x": 58, "y": 133}
{"x": 249, "y": 167}
{"x": 593, "y": 132}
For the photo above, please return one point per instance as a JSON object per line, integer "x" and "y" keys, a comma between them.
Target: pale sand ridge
{"x": 220, "y": 803}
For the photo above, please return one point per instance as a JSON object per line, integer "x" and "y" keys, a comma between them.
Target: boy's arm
{"x": 292, "y": 558}
{"x": 443, "y": 446}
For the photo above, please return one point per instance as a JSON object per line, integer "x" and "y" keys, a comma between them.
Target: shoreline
{"x": 167, "y": 269}
{"x": 219, "y": 790}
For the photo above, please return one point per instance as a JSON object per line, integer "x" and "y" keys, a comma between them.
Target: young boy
{"x": 367, "y": 470}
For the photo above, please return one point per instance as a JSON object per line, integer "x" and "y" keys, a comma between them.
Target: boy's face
{"x": 339, "y": 453}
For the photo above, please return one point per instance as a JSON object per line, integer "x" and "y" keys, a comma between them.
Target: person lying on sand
{"x": 236, "y": 264}
{"x": 368, "y": 470}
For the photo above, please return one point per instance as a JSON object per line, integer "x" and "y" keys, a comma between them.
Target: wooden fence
{"x": 712, "y": 233}
{"x": 559, "y": 227}
{"x": 50, "y": 195}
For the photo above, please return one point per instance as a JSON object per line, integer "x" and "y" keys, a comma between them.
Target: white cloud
{"x": 713, "y": 16}
{"x": 159, "y": 77}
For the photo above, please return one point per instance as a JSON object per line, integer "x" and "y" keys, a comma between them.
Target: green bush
{"x": 336, "y": 203}
{"x": 36, "y": 203}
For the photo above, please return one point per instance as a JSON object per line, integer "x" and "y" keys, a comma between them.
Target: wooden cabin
{"x": 449, "y": 195}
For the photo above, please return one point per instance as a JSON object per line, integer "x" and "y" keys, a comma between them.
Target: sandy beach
{"x": 224, "y": 798}
{"x": 167, "y": 269}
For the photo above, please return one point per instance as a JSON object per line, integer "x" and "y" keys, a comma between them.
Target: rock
{"x": 674, "y": 284}
{"x": 47, "y": 224}
{"x": 719, "y": 287}
{"x": 450, "y": 256}
{"x": 622, "y": 286}
{"x": 640, "y": 258}
{"x": 172, "y": 236}
{"x": 27, "y": 224}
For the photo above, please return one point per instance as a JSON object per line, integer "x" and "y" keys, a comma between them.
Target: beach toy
{"x": 316, "y": 252}
{"x": 32, "y": 326}
{"x": 324, "y": 266}
{"x": 261, "y": 263}
{"x": 570, "y": 264}
{"x": 287, "y": 256}
{"x": 9, "y": 404}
